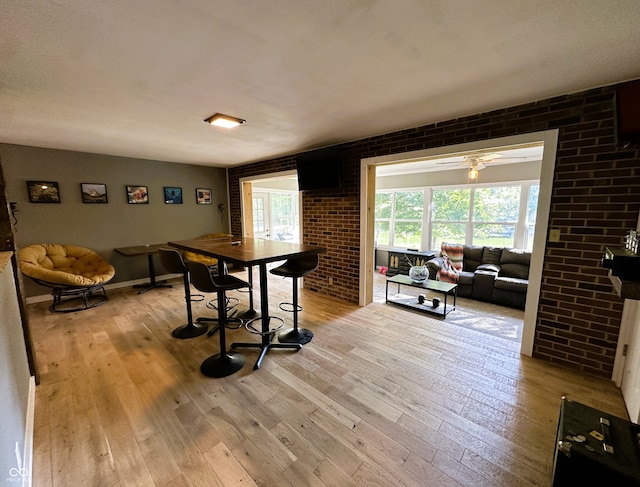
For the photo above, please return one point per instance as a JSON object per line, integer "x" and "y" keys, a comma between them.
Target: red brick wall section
{"x": 595, "y": 201}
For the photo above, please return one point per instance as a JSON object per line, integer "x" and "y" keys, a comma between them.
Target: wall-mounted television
{"x": 319, "y": 169}
{"x": 628, "y": 114}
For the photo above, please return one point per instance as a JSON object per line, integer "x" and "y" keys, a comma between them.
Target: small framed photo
{"x": 203, "y": 196}
{"x": 137, "y": 195}
{"x": 43, "y": 192}
{"x": 172, "y": 195}
{"x": 94, "y": 193}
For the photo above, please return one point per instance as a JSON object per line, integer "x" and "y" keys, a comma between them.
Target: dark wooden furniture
{"x": 149, "y": 251}
{"x": 399, "y": 260}
{"x": 250, "y": 252}
{"x": 444, "y": 288}
{"x": 588, "y": 453}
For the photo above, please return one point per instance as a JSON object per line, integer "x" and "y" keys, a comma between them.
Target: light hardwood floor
{"x": 380, "y": 397}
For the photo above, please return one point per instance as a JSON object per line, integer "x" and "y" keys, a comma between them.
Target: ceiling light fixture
{"x": 475, "y": 164}
{"x": 226, "y": 121}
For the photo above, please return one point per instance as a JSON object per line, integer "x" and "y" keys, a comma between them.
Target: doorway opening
{"x": 271, "y": 207}
{"x": 368, "y": 191}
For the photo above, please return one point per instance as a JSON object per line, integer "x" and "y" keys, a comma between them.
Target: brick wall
{"x": 595, "y": 201}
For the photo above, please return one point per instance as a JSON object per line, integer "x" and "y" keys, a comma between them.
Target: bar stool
{"x": 172, "y": 261}
{"x": 223, "y": 363}
{"x": 295, "y": 268}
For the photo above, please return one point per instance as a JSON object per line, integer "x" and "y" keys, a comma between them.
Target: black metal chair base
{"x": 190, "y": 330}
{"x": 265, "y": 348}
{"x": 301, "y": 336}
{"x": 222, "y": 365}
{"x": 71, "y": 299}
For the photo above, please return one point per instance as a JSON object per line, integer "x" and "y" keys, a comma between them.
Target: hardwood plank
{"x": 380, "y": 396}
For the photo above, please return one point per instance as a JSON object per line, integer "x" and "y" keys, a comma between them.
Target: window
{"x": 495, "y": 216}
{"x": 383, "y": 218}
{"x": 284, "y": 216}
{"x": 492, "y": 215}
{"x": 398, "y": 220}
{"x": 258, "y": 215}
{"x": 449, "y": 216}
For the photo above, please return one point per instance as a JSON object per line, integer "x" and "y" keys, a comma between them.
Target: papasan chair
{"x": 77, "y": 275}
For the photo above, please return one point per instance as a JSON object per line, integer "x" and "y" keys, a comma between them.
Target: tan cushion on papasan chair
{"x": 69, "y": 265}
{"x": 75, "y": 273}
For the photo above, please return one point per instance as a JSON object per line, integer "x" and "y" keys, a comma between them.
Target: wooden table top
{"x": 139, "y": 249}
{"x": 247, "y": 251}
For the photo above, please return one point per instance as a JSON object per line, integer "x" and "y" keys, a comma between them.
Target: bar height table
{"x": 149, "y": 251}
{"x": 249, "y": 252}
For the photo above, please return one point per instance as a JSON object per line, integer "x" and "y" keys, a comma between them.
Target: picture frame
{"x": 137, "y": 195}
{"x": 43, "y": 191}
{"x": 172, "y": 195}
{"x": 94, "y": 193}
{"x": 204, "y": 196}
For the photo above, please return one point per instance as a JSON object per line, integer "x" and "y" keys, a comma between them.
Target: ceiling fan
{"x": 475, "y": 162}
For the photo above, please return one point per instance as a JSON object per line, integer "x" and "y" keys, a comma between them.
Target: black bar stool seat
{"x": 223, "y": 363}
{"x": 295, "y": 268}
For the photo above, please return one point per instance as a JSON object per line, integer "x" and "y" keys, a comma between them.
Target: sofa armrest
{"x": 434, "y": 266}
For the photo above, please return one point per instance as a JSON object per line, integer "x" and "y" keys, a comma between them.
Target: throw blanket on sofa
{"x": 451, "y": 262}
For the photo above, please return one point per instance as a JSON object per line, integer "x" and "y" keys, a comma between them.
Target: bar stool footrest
{"x": 290, "y": 307}
{"x": 270, "y": 332}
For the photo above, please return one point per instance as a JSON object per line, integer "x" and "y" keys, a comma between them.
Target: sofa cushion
{"x": 488, "y": 267}
{"x": 491, "y": 255}
{"x": 511, "y": 284}
{"x": 515, "y": 263}
{"x": 465, "y": 278}
{"x": 472, "y": 257}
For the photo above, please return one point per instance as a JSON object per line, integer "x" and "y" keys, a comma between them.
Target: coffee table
{"x": 444, "y": 288}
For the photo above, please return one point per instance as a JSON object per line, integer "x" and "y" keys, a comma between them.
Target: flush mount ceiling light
{"x": 226, "y": 121}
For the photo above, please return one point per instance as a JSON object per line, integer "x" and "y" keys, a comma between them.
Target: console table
{"x": 444, "y": 288}
{"x": 398, "y": 263}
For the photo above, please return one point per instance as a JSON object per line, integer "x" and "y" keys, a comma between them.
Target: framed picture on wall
{"x": 94, "y": 193}
{"x": 203, "y": 196}
{"x": 172, "y": 195}
{"x": 43, "y": 191}
{"x": 137, "y": 195}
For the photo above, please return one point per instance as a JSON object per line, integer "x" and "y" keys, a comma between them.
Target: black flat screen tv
{"x": 319, "y": 169}
{"x": 628, "y": 114}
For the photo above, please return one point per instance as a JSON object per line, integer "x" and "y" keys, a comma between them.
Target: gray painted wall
{"x": 103, "y": 227}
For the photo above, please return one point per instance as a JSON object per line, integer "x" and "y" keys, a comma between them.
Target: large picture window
{"x": 399, "y": 216}
{"x": 491, "y": 215}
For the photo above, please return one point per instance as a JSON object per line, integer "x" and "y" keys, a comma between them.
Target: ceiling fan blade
{"x": 490, "y": 157}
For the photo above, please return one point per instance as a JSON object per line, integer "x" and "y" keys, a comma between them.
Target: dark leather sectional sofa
{"x": 496, "y": 274}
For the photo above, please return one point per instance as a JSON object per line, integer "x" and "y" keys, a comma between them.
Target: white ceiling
{"x": 137, "y": 78}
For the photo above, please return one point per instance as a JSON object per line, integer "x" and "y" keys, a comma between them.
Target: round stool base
{"x": 222, "y": 365}
{"x": 190, "y": 330}
{"x": 301, "y": 336}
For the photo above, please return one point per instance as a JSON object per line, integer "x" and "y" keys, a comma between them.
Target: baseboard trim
{"x": 115, "y": 285}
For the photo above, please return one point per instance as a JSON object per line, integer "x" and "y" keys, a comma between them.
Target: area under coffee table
{"x": 444, "y": 288}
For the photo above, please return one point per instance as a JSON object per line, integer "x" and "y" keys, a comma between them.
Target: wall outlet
{"x": 554, "y": 235}
{"x": 331, "y": 281}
